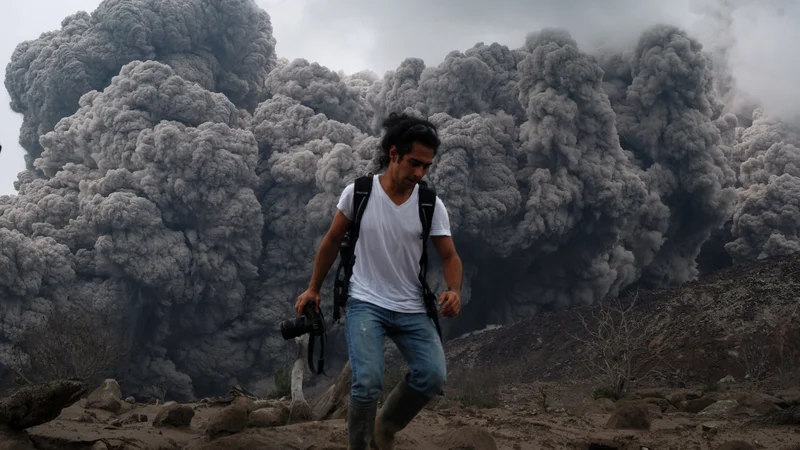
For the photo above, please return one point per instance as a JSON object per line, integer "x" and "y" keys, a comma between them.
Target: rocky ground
{"x": 732, "y": 417}
{"x": 726, "y": 377}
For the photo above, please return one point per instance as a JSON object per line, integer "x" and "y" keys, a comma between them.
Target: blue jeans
{"x": 415, "y": 336}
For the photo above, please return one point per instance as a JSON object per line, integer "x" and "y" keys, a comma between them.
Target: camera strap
{"x": 311, "y": 338}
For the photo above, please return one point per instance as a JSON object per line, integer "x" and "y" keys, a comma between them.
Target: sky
{"x": 353, "y": 35}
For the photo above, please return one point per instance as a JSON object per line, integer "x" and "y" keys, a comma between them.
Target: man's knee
{"x": 367, "y": 384}
{"x": 429, "y": 378}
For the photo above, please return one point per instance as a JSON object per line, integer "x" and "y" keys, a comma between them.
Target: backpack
{"x": 427, "y": 203}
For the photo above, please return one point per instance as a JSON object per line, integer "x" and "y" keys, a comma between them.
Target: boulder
{"x": 15, "y": 440}
{"x": 696, "y": 405}
{"x": 723, "y": 408}
{"x": 787, "y": 398}
{"x": 788, "y": 416}
{"x": 35, "y": 404}
{"x": 229, "y": 420}
{"x": 760, "y": 403}
{"x": 631, "y": 415}
{"x": 268, "y": 417}
{"x": 173, "y": 415}
{"x": 107, "y": 396}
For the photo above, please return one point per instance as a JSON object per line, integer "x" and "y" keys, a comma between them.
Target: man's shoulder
{"x": 432, "y": 192}
{"x": 427, "y": 189}
{"x": 366, "y": 179}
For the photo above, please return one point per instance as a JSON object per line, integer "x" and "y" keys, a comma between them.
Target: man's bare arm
{"x": 451, "y": 262}
{"x": 328, "y": 250}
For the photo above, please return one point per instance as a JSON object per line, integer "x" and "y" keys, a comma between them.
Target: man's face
{"x": 414, "y": 164}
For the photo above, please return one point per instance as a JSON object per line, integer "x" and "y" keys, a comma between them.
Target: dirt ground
{"x": 510, "y": 388}
{"x": 573, "y": 420}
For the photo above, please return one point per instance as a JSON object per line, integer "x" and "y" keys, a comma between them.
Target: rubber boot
{"x": 400, "y": 407}
{"x": 360, "y": 423}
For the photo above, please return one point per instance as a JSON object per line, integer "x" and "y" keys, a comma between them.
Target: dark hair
{"x": 401, "y": 130}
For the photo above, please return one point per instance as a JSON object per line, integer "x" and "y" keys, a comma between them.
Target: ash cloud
{"x": 223, "y": 45}
{"x": 182, "y": 175}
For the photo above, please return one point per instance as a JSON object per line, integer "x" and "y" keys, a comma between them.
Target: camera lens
{"x": 293, "y": 328}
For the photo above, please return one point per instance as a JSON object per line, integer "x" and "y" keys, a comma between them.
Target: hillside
{"x": 708, "y": 328}
{"x": 722, "y": 353}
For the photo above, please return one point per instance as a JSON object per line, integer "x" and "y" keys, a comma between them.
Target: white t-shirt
{"x": 389, "y": 247}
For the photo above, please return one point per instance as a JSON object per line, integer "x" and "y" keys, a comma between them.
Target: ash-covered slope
{"x": 180, "y": 177}
{"x": 708, "y": 326}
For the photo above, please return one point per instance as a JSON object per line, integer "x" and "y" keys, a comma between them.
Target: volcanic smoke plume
{"x": 180, "y": 177}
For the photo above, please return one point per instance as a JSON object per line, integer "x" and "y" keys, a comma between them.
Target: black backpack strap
{"x": 427, "y": 204}
{"x": 361, "y": 191}
{"x": 341, "y": 285}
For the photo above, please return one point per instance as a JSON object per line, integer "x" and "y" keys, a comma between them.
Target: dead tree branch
{"x": 70, "y": 344}
{"x": 621, "y": 345}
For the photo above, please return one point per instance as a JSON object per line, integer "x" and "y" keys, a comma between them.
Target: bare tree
{"x": 158, "y": 392}
{"x": 772, "y": 345}
{"x": 621, "y": 347}
{"x": 70, "y": 344}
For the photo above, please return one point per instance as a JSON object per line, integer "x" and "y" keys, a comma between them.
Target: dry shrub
{"x": 70, "y": 344}
{"x": 283, "y": 383}
{"x": 621, "y": 345}
{"x": 772, "y": 346}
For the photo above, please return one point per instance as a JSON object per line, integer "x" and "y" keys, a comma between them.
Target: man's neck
{"x": 392, "y": 187}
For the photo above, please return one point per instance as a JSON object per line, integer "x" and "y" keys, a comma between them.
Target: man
{"x": 385, "y": 297}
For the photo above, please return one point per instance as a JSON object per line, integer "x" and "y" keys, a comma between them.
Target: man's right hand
{"x": 310, "y": 295}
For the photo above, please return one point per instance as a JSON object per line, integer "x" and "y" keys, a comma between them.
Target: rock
{"x": 139, "y": 418}
{"x": 605, "y": 403}
{"x": 788, "y": 416}
{"x": 88, "y": 417}
{"x": 107, "y": 396}
{"x": 760, "y": 403}
{"x": 173, "y": 415}
{"x": 130, "y": 399}
{"x": 467, "y": 438}
{"x": 787, "y": 398}
{"x": 268, "y": 417}
{"x": 662, "y": 403}
{"x": 677, "y": 397}
{"x": 651, "y": 393}
{"x": 636, "y": 416}
{"x": 300, "y": 411}
{"x": 259, "y": 404}
{"x": 248, "y": 404}
{"x": 599, "y": 406}
{"x": 229, "y": 420}
{"x": 36, "y": 404}
{"x": 709, "y": 427}
{"x": 99, "y": 445}
{"x": 696, "y": 405}
{"x": 15, "y": 440}
{"x": 727, "y": 379}
{"x": 735, "y": 445}
{"x": 722, "y": 408}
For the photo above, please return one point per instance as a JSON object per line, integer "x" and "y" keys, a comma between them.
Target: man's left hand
{"x": 450, "y": 301}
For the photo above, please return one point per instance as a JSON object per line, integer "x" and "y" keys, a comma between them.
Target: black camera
{"x": 309, "y": 322}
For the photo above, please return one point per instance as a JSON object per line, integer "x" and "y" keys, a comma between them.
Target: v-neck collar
{"x": 389, "y": 199}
